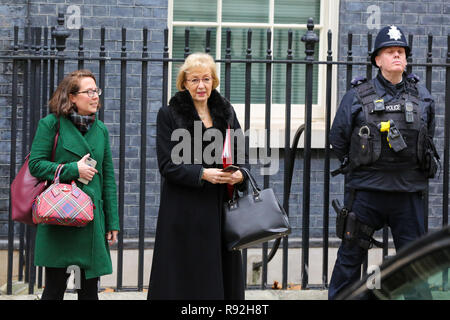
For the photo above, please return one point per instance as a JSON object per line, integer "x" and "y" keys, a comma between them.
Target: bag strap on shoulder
{"x": 55, "y": 142}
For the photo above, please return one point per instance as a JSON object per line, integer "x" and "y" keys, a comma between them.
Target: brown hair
{"x": 194, "y": 60}
{"x": 60, "y": 103}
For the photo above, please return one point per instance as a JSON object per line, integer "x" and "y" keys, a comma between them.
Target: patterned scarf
{"x": 83, "y": 123}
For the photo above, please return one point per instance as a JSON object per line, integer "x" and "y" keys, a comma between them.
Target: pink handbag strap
{"x": 57, "y": 173}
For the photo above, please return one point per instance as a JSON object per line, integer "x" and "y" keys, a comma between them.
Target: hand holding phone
{"x": 231, "y": 168}
{"x": 91, "y": 163}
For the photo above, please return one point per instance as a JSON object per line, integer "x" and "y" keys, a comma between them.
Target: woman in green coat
{"x": 73, "y": 109}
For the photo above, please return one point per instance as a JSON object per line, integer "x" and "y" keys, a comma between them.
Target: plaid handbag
{"x": 63, "y": 204}
{"x": 25, "y": 188}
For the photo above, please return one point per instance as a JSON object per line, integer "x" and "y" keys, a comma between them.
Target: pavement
{"x": 20, "y": 291}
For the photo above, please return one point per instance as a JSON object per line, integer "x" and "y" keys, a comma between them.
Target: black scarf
{"x": 83, "y": 123}
{"x": 184, "y": 112}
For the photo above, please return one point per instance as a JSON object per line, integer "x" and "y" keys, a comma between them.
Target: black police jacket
{"x": 349, "y": 116}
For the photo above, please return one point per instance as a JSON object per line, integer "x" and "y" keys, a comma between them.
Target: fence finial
{"x": 310, "y": 39}
{"x": 60, "y": 33}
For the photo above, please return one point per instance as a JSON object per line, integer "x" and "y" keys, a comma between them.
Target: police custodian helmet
{"x": 390, "y": 36}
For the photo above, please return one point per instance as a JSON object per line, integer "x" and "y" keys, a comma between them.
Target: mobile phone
{"x": 91, "y": 163}
{"x": 231, "y": 169}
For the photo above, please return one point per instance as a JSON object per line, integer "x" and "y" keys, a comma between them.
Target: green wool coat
{"x": 86, "y": 247}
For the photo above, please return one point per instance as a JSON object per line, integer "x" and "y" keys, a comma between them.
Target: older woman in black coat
{"x": 189, "y": 259}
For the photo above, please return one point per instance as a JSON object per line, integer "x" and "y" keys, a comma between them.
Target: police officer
{"x": 383, "y": 133}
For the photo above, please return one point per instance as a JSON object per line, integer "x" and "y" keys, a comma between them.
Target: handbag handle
{"x": 252, "y": 180}
{"x": 255, "y": 189}
{"x": 58, "y": 172}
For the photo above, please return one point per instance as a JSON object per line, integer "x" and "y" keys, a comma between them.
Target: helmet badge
{"x": 394, "y": 33}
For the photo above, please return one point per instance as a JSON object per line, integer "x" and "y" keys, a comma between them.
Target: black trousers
{"x": 401, "y": 211}
{"x": 56, "y": 283}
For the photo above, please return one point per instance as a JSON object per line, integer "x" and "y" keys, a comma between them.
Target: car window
{"x": 424, "y": 279}
{"x": 433, "y": 288}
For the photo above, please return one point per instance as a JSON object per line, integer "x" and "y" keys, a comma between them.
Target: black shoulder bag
{"x": 254, "y": 218}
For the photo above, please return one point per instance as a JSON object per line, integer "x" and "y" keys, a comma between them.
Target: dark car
{"x": 418, "y": 271}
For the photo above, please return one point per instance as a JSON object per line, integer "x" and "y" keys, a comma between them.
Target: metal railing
{"x": 39, "y": 62}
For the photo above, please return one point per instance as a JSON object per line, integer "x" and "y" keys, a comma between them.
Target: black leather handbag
{"x": 254, "y": 218}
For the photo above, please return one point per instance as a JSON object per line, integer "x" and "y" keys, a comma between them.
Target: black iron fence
{"x": 39, "y": 60}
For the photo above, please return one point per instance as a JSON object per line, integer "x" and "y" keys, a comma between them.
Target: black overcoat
{"x": 189, "y": 259}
